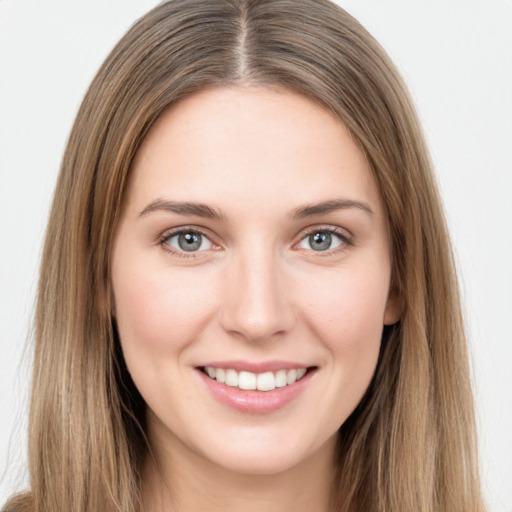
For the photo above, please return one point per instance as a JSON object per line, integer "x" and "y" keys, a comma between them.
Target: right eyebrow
{"x": 182, "y": 208}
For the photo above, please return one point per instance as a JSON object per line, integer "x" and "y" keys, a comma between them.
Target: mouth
{"x": 251, "y": 381}
{"x": 266, "y": 389}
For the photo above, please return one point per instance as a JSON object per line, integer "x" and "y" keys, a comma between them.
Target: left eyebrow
{"x": 332, "y": 205}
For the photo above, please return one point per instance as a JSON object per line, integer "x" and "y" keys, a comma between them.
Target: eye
{"x": 188, "y": 241}
{"x": 322, "y": 240}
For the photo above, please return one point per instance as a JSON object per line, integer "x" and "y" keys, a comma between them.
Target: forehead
{"x": 252, "y": 143}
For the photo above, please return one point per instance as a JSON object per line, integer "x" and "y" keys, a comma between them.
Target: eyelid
{"x": 169, "y": 233}
{"x": 346, "y": 237}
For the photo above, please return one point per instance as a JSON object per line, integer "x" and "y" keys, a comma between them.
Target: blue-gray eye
{"x": 321, "y": 241}
{"x": 189, "y": 241}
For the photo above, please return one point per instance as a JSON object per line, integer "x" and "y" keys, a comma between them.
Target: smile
{"x": 245, "y": 380}
{"x": 267, "y": 388}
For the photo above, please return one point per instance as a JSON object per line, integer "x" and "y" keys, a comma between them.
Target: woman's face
{"x": 252, "y": 243}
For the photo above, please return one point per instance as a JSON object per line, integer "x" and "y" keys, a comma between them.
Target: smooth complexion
{"x": 288, "y": 265}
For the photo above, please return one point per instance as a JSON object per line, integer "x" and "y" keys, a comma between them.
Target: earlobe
{"x": 394, "y": 307}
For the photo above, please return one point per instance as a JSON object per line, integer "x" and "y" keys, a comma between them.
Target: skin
{"x": 256, "y": 291}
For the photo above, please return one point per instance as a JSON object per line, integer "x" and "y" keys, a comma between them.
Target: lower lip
{"x": 254, "y": 401}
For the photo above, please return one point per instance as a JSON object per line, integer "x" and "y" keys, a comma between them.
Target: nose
{"x": 256, "y": 305}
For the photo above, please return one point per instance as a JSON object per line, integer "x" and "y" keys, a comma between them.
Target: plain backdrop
{"x": 456, "y": 56}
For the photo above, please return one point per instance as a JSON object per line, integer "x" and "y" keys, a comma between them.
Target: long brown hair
{"x": 410, "y": 444}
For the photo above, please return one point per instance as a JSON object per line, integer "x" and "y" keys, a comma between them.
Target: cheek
{"x": 159, "y": 313}
{"x": 159, "y": 309}
{"x": 347, "y": 315}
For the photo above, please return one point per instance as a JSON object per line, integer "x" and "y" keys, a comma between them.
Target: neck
{"x": 183, "y": 481}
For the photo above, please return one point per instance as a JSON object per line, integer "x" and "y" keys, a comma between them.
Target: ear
{"x": 394, "y": 306}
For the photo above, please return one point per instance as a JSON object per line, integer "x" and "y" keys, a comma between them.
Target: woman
{"x": 247, "y": 296}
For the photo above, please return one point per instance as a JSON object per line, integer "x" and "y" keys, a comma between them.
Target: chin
{"x": 264, "y": 454}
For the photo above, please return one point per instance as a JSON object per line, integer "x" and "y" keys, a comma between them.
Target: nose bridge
{"x": 256, "y": 304}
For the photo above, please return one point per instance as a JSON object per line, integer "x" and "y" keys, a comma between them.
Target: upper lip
{"x": 256, "y": 367}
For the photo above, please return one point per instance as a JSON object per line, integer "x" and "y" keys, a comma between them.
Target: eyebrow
{"x": 329, "y": 206}
{"x": 182, "y": 208}
{"x": 207, "y": 212}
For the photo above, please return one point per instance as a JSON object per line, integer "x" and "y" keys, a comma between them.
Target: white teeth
{"x": 291, "y": 376}
{"x": 281, "y": 378}
{"x": 266, "y": 381}
{"x": 231, "y": 378}
{"x": 220, "y": 375}
{"x": 246, "y": 380}
{"x": 300, "y": 373}
{"x": 250, "y": 381}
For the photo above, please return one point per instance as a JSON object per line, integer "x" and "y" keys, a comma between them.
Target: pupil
{"x": 320, "y": 241}
{"x": 189, "y": 241}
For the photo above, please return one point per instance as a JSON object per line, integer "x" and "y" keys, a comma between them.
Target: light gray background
{"x": 456, "y": 56}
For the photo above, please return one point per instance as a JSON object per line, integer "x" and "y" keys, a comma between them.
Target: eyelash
{"x": 163, "y": 241}
{"x": 346, "y": 241}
